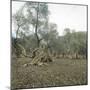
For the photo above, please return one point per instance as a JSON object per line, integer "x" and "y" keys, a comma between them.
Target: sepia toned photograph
{"x": 48, "y": 44}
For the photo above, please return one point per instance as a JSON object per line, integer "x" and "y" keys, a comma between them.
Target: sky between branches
{"x": 65, "y": 16}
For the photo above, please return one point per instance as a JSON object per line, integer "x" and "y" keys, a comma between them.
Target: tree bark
{"x": 17, "y": 32}
{"x": 36, "y": 33}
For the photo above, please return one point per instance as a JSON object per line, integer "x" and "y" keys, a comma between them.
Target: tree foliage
{"x": 33, "y": 30}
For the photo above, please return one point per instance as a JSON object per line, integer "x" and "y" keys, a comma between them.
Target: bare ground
{"x": 60, "y": 72}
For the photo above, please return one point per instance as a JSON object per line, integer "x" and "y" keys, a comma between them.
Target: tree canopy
{"x": 33, "y": 29}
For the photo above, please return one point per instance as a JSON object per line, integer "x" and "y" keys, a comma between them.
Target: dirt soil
{"x": 60, "y": 72}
